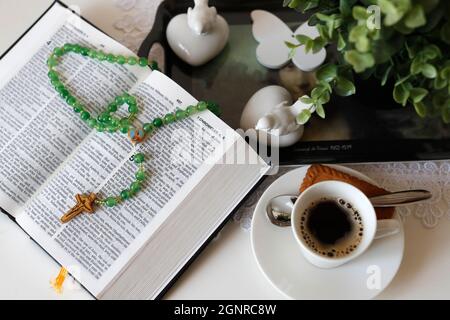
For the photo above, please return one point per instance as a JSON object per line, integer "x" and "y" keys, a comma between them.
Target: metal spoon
{"x": 279, "y": 208}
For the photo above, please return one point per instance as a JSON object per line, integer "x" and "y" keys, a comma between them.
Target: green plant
{"x": 404, "y": 40}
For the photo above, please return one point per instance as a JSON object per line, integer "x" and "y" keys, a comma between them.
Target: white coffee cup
{"x": 373, "y": 228}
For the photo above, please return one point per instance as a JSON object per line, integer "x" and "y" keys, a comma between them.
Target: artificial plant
{"x": 403, "y": 40}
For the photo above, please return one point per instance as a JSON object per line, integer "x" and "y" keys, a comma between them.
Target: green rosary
{"x": 107, "y": 122}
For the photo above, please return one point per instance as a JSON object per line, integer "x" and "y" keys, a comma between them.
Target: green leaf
{"x": 291, "y": 45}
{"x": 302, "y": 39}
{"x": 324, "y": 17}
{"x": 429, "y": 71}
{"x": 421, "y": 109}
{"x": 327, "y": 72}
{"x": 430, "y": 52}
{"x": 324, "y": 98}
{"x": 411, "y": 50}
{"x": 345, "y": 6}
{"x": 344, "y": 87}
{"x": 416, "y": 66}
{"x": 401, "y": 80}
{"x": 446, "y": 115}
{"x": 359, "y": 61}
{"x": 439, "y": 83}
{"x": 318, "y": 44}
{"x": 316, "y": 93}
{"x": 291, "y": 53}
{"x": 415, "y": 17}
{"x": 305, "y": 99}
{"x": 341, "y": 42}
{"x": 386, "y": 74}
{"x": 360, "y": 13}
{"x": 330, "y": 28}
{"x": 445, "y": 32}
{"x": 445, "y": 73}
{"x": 358, "y": 35}
{"x": 417, "y": 94}
{"x": 401, "y": 94}
{"x": 303, "y": 116}
{"x": 393, "y": 10}
{"x": 320, "y": 111}
{"x": 309, "y": 45}
{"x": 293, "y": 3}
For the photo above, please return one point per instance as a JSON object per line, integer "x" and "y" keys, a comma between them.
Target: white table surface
{"x": 226, "y": 269}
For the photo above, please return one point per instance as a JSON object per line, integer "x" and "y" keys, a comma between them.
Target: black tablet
{"x": 366, "y": 127}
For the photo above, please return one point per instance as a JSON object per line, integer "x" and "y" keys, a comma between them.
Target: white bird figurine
{"x": 201, "y": 18}
{"x": 281, "y": 120}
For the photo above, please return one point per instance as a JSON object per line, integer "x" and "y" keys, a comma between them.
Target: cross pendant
{"x": 85, "y": 203}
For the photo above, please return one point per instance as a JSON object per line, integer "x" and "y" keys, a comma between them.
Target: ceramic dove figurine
{"x": 271, "y": 110}
{"x": 201, "y": 18}
{"x": 198, "y": 36}
{"x": 281, "y": 120}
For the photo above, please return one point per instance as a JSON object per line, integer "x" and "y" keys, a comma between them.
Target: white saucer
{"x": 281, "y": 261}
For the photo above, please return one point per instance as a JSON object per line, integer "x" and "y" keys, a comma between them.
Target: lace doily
{"x": 136, "y": 21}
{"x": 431, "y": 175}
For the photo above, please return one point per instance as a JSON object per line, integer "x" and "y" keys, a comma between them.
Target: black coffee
{"x": 332, "y": 227}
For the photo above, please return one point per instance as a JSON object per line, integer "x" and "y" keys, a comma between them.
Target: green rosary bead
{"x": 77, "y": 48}
{"x": 100, "y": 55}
{"x": 111, "y": 58}
{"x": 104, "y": 117}
{"x": 71, "y": 100}
{"x": 77, "y": 108}
{"x": 157, "y": 122}
{"x": 92, "y": 123}
{"x": 143, "y": 62}
{"x": 140, "y": 175}
{"x": 132, "y": 61}
{"x": 85, "y": 115}
{"x": 180, "y": 114}
{"x": 56, "y": 83}
{"x": 64, "y": 93}
{"x": 125, "y": 122}
{"x": 121, "y": 60}
{"x": 130, "y": 100}
{"x": 59, "y": 88}
{"x": 169, "y": 118}
{"x": 58, "y": 51}
{"x": 135, "y": 187}
{"x": 148, "y": 127}
{"x": 53, "y": 75}
{"x": 154, "y": 65}
{"x": 132, "y": 108}
{"x": 52, "y": 62}
{"x": 125, "y": 194}
{"x": 111, "y": 129}
{"x": 92, "y": 53}
{"x": 84, "y": 51}
{"x": 119, "y": 100}
{"x": 202, "y": 106}
{"x": 138, "y": 158}
{"x": 100, "y": 127}
{"x": 112, "y": 107}
{"x": 68, "y": 47}
{"x": 111, "y": 201}
{"x": 124, "y": 128}
{"x": 191, "y": 110}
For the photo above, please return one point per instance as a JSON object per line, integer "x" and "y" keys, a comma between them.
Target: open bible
{"x": 200, "y": 169}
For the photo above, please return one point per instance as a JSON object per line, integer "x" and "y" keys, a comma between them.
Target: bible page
{"x": 95, "y": 248}
{"x": 38, "y": 129}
